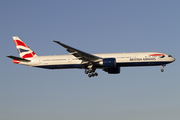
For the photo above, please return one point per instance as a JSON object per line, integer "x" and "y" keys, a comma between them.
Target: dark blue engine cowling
{"x": 115, "y": 70}
{"x": 109, "y": 62}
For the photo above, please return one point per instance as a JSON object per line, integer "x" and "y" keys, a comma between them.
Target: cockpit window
{"x": 169, "y": 56}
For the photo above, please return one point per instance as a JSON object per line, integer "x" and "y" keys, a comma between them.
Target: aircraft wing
{"x": 80, "y": 54}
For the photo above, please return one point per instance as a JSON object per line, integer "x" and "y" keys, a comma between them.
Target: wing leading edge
{"x": 85, "y": 57}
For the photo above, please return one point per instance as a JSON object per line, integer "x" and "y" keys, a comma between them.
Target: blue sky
{"x": 99, "y": 26}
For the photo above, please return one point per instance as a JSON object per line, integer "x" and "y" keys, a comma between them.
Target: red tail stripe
{"x": 29, "y": 55}
{"x": 20, "y": 43}
{"x": 33, "y": 53}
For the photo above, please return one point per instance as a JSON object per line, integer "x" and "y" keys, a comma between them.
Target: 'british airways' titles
{"x": 141, "y": 59}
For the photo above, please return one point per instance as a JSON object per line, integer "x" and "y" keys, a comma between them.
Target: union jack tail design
{"x": 23, "y": 49}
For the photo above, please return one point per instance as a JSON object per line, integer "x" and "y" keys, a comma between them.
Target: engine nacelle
{"x": 108, "y": 62}
{"x": 115, "y": 70}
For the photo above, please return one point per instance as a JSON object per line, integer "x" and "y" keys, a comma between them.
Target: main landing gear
{"x": 91, "y": 72}
{"x": 162, "y": 69}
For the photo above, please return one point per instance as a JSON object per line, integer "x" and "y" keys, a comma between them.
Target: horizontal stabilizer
{"x": 18, "y": 58}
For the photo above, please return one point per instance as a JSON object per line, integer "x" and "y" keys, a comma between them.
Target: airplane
{"x": 108, "y": 62}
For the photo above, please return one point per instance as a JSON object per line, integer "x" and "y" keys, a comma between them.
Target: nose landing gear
{"x": 162, "y": 69}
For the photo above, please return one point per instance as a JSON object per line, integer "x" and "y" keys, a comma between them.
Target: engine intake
{"x": 108, "y": 62}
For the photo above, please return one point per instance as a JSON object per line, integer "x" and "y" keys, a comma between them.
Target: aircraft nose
{"x": 173, "y": 59}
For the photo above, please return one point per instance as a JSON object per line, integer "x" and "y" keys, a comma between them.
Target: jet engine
{"x": 108, "y": 62}
{"x": 115, "y": 70}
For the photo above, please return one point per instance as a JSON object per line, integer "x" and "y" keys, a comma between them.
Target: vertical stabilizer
{"x": 23, "y": 49}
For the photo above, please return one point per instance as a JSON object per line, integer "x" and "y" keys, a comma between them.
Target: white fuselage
{"x": 122, "y": 60}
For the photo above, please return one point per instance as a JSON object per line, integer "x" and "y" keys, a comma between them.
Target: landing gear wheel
{"x": 90, "y": 71}
{"x": 162, "y": 70}
{"x": 89, "y": 75}
{"x": 93, "y": 70}
{"x": 86, "y": 72}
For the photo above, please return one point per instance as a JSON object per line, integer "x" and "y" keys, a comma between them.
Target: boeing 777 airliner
{"x": 110, "y": 62}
